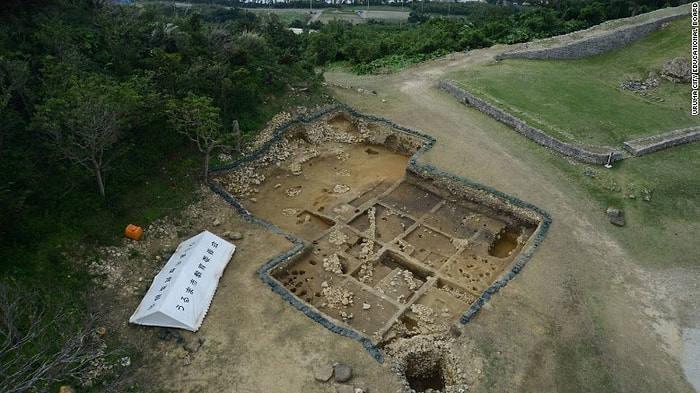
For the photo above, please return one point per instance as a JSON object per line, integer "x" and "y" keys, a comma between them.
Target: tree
{"x": 43, "y": 342}
{"x": 85, "y": 121}
{"x": 198, "y": 119}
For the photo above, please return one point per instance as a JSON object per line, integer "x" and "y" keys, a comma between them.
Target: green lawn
{"x": 582, "y": 101}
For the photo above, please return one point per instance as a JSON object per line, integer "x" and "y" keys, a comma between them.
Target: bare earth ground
{"x": 582, "y": 315}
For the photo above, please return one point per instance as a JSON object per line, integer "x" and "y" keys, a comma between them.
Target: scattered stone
{"x": 66, "y": 389}
{"x": 216, "y": 222}
{"x": 366, "y": 306}
{"x": 344, "y": 389}
{"x": 165, "y": 334}
{"x": 613, "y": 212}
{"x": 290, "y": 211}
{"x": 235, "y": 236}
{"x": 362, "y": 388}
{"x": 178, "y": 338}
{"x": 333, "y": 264}
{"x": 323, "y": 373}
{"x": 254, "y": 200}
{"x": 195, "y": 345}
{"x": 652, "y": 81}
{"x": 676, "y": 70}
{"x": 341, "y": 188}
{"x": 634, "y": 85}
{"x": 342, "y": 372}
{"x": 186, "y": 361}
{"x": 182, "y": 353}
{"x": 101, "y": 331}
{"x": 293, "y": 191}
{"x": 617, "y": 221}
{"x": 125, "y": 361}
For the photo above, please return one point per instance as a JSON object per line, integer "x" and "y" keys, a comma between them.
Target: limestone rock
{"x": 613, "y": 212}
{"x": 342, "y": 372}
{"x": 651, "y": 81}
{"x": 361, "y": 387}
{"x": 344, "y": 389}
{"x": 235, "y": 235}
{"x": 677, "y": 70}
{"x": 323, "y": 373}
{"x": 195, "y": 345}
{"x": 617, "y": 221}
{"x": 182, "y": 353}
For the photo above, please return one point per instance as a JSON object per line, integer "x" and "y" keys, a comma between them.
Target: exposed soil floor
{"x": 384, "y": 256}
{"x": 582, "y": 316}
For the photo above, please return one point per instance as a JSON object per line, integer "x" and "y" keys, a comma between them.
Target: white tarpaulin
{"x": 182, "y": 292}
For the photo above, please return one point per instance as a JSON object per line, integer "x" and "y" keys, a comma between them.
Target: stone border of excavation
{"x": 458, "y": 186}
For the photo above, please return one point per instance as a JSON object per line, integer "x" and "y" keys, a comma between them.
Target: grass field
{"x": 582, "y": 101}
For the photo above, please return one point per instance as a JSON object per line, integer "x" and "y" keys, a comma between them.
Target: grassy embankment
{"x": 581, "y": 101}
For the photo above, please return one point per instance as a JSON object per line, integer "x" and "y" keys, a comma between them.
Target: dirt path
{"x": 582, "y": 316}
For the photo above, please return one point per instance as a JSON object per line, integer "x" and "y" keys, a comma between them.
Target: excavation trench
{"x": 391, "y": 250}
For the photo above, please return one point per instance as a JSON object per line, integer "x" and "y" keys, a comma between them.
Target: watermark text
{"x": 694, "y": 58}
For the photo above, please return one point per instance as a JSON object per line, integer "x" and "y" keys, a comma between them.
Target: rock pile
{"x": 676, "y": 70}
{"x": 642, "y": 87}
{"x": 615, "y": 216}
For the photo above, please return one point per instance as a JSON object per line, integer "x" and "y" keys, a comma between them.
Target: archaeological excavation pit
{"x": 387, "y": 248}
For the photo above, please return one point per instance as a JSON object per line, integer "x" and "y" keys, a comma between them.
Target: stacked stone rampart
{"x": 650, "y": 144}
{"x": 591, "y": 154}
{"x": 596, "y": 45}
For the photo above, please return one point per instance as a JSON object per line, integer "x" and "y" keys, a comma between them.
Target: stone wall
{"x": 591, "y": 154}
{"x": 596, "y": 45}
{"x": 650, "y": 144}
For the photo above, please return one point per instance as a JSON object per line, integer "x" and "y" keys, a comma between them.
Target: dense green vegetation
{"x": 100, "y": 104}
{"x": 582, "y": 99}
{"x": 439, "y": 28}
{"x": 86, "y": 89}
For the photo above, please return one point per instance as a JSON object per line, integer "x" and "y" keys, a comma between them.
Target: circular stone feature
{"x": 323, "y": 373}
{"x": 342, "y": 372}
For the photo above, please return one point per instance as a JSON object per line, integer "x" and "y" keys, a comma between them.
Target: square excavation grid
{"x": 404, "y": 261}
{"x": 389, "y": 248}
